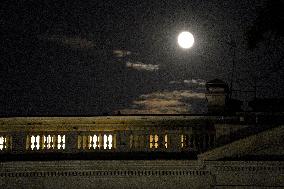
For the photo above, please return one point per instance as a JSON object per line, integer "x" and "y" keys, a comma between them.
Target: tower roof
{"x": 217, "y": 83}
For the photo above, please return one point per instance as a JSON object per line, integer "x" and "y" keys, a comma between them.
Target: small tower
{"x": 216, "y": 95}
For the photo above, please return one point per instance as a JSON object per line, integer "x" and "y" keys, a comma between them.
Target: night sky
{"x": 66, "y": 58}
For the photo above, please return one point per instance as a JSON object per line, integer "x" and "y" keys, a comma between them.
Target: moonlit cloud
{"x": 168, "y": 102}
{"x": 141, "y": 66}
{"x": 176, "y": 94}
{"x": 73, "y": 42}
{"x": 121, "y": 53}
{"x": 195, "y": 81}
{"x": 200, "y": 82}
{"x": 185, "y": 96}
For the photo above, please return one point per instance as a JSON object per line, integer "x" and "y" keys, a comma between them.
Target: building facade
{"x": 141, "y": 152}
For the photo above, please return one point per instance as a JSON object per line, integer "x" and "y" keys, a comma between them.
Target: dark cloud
{"x": 73, "y": 42}
{"x": 141, "y": 66}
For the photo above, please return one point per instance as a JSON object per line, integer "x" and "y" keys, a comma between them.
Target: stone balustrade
{"x": 115, "y": 134}
{"x": 157, "y": 139}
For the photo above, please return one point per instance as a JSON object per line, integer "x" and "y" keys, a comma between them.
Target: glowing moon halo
{"x": 185, "y": 40}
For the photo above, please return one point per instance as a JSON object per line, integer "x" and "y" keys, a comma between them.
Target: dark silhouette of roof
{"x": 217, "y": 83}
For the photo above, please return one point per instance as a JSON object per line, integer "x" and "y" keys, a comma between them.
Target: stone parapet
{"x": 141, "y": 174}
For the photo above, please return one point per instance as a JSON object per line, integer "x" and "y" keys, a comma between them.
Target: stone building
{"x": 241, "y": 151}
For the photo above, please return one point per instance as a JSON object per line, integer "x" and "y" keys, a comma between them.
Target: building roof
{"x": 217, "y": 83}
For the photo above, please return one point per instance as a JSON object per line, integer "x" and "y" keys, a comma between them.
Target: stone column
{"x": 174, "y": 141}
{"x": 19, "y": 142}
{"x": 123, "y": 141}
{"x": 71, "y": 142}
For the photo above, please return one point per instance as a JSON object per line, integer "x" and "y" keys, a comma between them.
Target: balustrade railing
{"x": 183, "y": 140}
{"x": 111, "y": 135}
{"x": 45, "y": 142}
{"x": 118, "y": 134}
{"x": 97, "y": 141}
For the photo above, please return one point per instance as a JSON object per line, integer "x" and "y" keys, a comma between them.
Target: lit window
{"x": 5, "y": 142}
{"x": 48, "y": 142}
{"x": 61, "y": 142}
{"x": 2, "y": 143}
{"x": 98, "y": 141}
{"x": 107, "y": 141}
{"x": 185, "y": 141}
{"x": 154, "y": 141}
{"x": 158, "y": 141}
{"x": 45, "y": 142}
{"x": 35, "y": 142}
{"x": 94, "y": 141}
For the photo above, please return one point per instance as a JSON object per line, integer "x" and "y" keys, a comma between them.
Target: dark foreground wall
{"x": 142, "y": 174}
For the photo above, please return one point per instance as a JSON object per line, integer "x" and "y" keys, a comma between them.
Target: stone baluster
{"x": 203, "y": 141}
{"x": 195, "y": 142}
{"x": 35, "y": 142}
{"x": 144, "y": 142}
{"x": 44, "y": 142}
{"x": 199, "y": 142}
{"x": 114, "y": 141}
{"x": 91, "y": 141}
{"x": 152, "y": 143}
{"x": 136, "y": 141}
{"x": 106, "y": 143}
{"x": 131, "y": 142}
{"x": 84, "y": 142}
{"x": 101, "y": 141}
{"x": 166, "y": 142}
{"x": 185, "y": 141}
{"x": 192, "y": 142}
{"x": 147, "y": 141}
{"x": 160, "y": 142}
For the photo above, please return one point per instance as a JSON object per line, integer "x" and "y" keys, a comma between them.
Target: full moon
{"x": 185, "y": 39}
